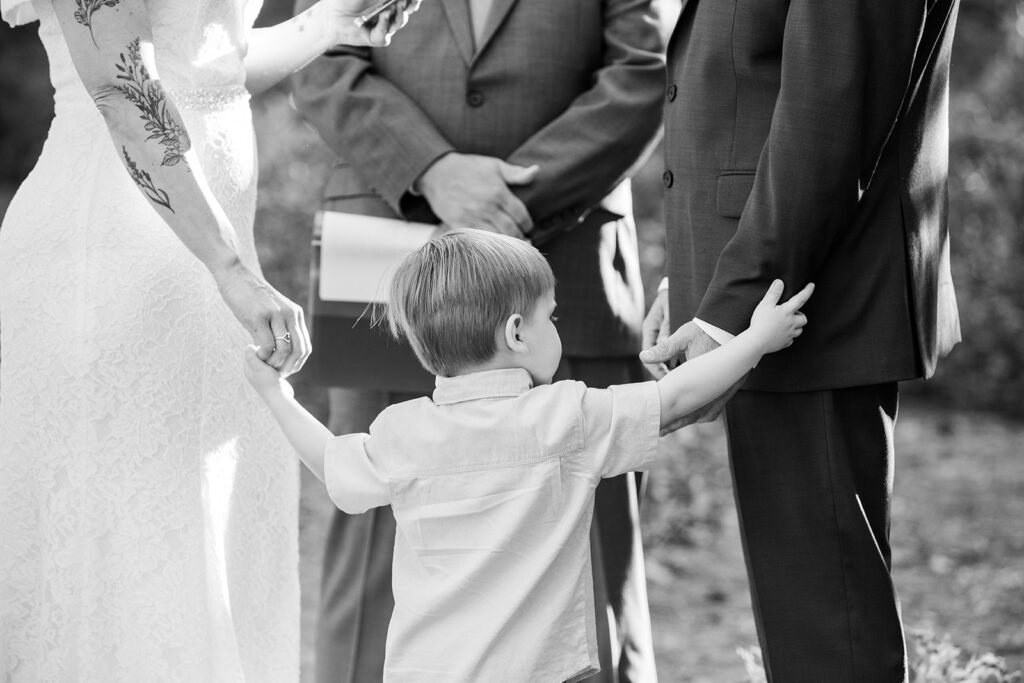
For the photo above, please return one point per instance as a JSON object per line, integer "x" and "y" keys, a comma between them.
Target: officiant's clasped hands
{"x": 473, "y": 191}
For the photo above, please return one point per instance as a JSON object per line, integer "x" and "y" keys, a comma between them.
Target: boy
{"x": 492, "y": 480}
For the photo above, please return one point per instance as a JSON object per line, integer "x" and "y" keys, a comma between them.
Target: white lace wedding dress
{"x": 148, "y": 504}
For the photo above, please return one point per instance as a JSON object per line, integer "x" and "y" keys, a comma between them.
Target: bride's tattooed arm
{"x": 87, "y": 8}
{"x": 145, "y": 183}
{"x": 148, "y": 97}
{"x": 116, "y": 61}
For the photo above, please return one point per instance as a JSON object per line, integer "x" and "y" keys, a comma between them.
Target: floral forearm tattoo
{"x": 87, "y": 8}
{"x": 145, "y": 182}
{"x": 148, "y": 97}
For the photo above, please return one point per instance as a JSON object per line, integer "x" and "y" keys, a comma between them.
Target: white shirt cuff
{"x": 716, "y": 333}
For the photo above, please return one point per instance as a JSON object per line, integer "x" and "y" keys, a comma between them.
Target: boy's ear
{"x": 513, "y": 339}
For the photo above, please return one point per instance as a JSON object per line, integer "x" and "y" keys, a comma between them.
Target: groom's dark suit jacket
{"x": 819, "y": 158}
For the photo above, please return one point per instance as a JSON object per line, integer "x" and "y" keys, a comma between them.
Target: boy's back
{"x": 492, "y": 485}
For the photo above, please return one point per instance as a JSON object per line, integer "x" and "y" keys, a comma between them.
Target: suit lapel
{"x": 499, "y": 10}
{"x": 457, "y": 12}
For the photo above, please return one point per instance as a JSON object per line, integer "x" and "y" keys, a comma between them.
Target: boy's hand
{"x": 263, "y": 377}
{"x": 779, "y": 324}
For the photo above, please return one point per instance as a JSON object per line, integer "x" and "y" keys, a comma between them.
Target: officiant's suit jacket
{"x": 807, "y": 140}
{"x": 574, "y": 86}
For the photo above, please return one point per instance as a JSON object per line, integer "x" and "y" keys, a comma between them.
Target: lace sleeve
{"x": 18, "y": 12}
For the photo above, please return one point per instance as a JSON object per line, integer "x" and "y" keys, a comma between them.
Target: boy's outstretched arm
{"x": 696, "y": 382}
{"x": 305, "y": 433}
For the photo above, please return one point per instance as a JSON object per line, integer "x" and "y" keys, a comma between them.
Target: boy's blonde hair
{"x": 449, "y": 297}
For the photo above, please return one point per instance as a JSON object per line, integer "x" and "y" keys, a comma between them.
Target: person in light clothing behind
{"x": 492, "y": 479}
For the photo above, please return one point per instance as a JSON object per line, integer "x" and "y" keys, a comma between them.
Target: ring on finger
{"x": 286, "y": 338}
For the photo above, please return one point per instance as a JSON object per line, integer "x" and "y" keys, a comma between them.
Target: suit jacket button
{"x": 474, "y": 98}
{"x": 670, "y": 94}
{"x": 667, "y": 178}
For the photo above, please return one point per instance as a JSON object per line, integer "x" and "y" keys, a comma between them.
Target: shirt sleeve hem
{"x": 651, "y": 423}
{"x": 335, "y": 477}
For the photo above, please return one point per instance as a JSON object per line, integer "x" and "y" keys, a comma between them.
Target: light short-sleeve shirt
{"x": 492, "y": 485}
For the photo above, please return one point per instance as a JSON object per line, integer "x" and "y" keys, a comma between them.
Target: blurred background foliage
{"x": 986, "y": 189}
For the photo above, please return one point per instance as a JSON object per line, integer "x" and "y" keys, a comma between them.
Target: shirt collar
{"x": 503, "y": 383}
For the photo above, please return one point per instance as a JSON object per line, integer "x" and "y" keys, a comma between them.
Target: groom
{"x": 807, "y": 140}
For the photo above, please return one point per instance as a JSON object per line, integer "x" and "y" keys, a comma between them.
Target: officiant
{"x": 523, "y": 117}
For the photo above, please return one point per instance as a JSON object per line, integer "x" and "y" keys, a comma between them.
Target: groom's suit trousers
{"x": 812, "y": 477}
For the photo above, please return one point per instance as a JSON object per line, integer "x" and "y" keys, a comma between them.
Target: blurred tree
{"x": 986, "y": 188}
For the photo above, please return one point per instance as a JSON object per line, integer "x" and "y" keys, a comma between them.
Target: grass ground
{"x": 957, "y": 536}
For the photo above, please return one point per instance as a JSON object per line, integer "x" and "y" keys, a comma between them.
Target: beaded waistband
{"x": 209, "y": 99}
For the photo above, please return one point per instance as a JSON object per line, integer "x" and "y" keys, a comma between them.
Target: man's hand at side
{"x": 472, "y": 191}
{"x": 688, "y": 342}
{"x": 655, "y": 331}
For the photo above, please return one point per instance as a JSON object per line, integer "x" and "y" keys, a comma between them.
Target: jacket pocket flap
{"x": 733, "y": 189}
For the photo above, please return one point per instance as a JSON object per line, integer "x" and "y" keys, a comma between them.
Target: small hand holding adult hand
{"x": 779, "y": 324}
{"x": 656, "y": 330}
{"x": 276, "y": 324}
{"x": 688, "y": 342}
{"x": 472, "y": 191}
{"x": 375, "y": 33}
{"x": 263, "y": 378}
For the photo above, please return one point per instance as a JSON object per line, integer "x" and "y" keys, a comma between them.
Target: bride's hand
{"x": 378, "y": 31}
{"x": 276, "y": 324}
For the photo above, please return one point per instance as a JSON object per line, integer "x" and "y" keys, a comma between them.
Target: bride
{"x": 148, "y": 510}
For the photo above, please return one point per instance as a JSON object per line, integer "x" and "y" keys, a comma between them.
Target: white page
{"x": 359, "y": 254}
